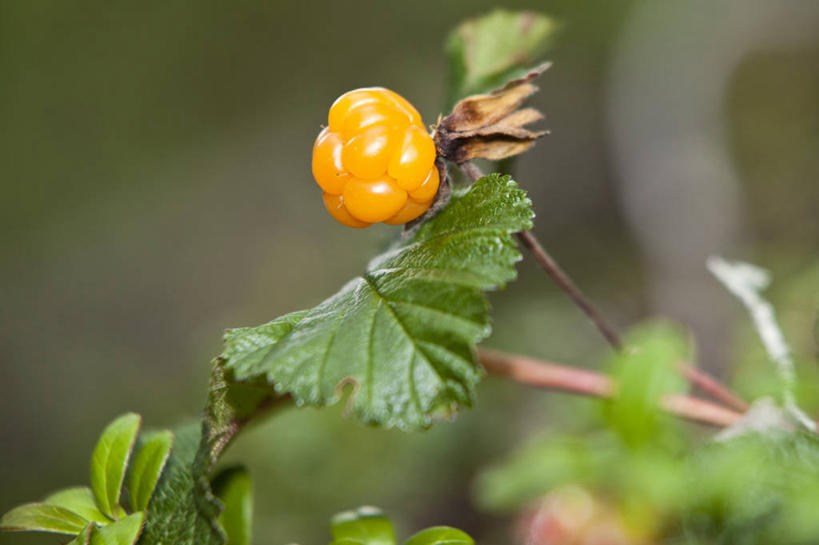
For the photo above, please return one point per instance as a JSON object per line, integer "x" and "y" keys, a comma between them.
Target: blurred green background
{"x": 156, "y": 189}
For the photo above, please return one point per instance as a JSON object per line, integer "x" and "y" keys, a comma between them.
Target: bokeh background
{"x": 156, "y": 189}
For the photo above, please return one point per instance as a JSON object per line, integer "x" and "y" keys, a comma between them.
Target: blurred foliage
{"x": 667, "y": 486}
{"x": 753, "y": 489}
{"x": 486, "y": 52}
{"x": 644, "y": 371}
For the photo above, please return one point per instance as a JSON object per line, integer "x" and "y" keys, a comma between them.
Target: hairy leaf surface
{"x": 183, "y": 510}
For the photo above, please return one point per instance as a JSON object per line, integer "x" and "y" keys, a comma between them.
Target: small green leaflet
{"x": 44, "y": 518}
{"x": 110, "y": 460}
{"x": 78, "y": 511}
{"x": 122, "y": 532}
{"x": 486, "y": 52}
{"x": 402, "y": 335}
{"x": 84, "y": 538}
{"x": 368, "y": 526}
{"x": 80, "y": 500}
{"x": 440, "y": 535}
{"x": 233, "y": 487}
{"x": 364, "y": 526}
{"x": 147, "y": 466}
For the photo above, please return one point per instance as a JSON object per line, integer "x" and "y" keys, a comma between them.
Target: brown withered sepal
{"x": 491, "y": 126}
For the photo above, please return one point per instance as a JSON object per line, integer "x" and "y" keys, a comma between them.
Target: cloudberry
{"x": 375, "y": 161}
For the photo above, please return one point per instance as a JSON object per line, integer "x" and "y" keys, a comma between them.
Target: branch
{"x": 696, "y": 377}
{"x": 548, "y": 264}
{"x": 712, "y": 387}
{"x": 746, "y": 281}
{"x": 236, "y": 425}
{"x": 552, "y": 376}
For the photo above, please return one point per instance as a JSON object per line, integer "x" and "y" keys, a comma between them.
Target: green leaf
{"x": 85, "y": 536}
{"x": 364, "y": 526}
{"x": 80, "y": 500}
{"x": 147, "y": 466}
{"x": 43, "y": 518}
{"x": 486, "y": 52}
{"x": 440, "y": 535}
{"x": 403, "y": 334}
{"x": 110, "y": 460}
{"x": 183, "y": 510}
{"x": 121, "y": 532}
{"x": 234, "y": 488}
{"x": 644, "y": 371}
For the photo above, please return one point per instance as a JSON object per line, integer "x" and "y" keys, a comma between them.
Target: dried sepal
{"x": 491, "y": 126}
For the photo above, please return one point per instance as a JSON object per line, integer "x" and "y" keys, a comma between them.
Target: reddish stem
{"x": 712, "y": 387}
{"x": 548, "y": 264}
{"x": 553, "y": 376}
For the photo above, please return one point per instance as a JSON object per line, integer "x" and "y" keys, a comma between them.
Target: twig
{"x": 712, "y": 387}
{"x": 536, "y": 249}
{"x": 531, "y": 243}
{"x": 746, "y": 281}
{"x": 697, "y": 377}
{"x": 236, "y": 425}
{"x": 552, "y": 376}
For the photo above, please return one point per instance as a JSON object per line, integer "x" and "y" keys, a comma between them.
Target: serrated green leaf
{"x": 42, "y": 518}
{"x": 644, "y": 371}
{"x": 183, "y": 510}
{"x": 85, "y": 536}
{"x": 440, "y": 535}
{"x": 110, "y": 461}
{"x": 364, "y": 526}
{"x": 402, "y": 335}
{"x": 234, "y": 488}
{"x": 486, "y": 52}
{"x": 148, "y": 462}
{"x": 80, "y": 500}
{"x": 122, "y": 532}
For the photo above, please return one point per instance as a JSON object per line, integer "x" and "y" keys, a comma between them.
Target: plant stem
{"x": 531, "y": 243}
{"x": 229, "y": 433}
{"x": 695, "y": 376}
{"x": 548, "y": 264}
{"x": 553, "y": 376}
{"x": 712, "y": 387}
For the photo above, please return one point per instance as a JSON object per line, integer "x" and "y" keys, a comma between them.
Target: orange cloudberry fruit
{"x": 375, "y": 161}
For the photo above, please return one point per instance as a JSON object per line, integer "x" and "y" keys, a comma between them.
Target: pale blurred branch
{"x": 746, "y": 281}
